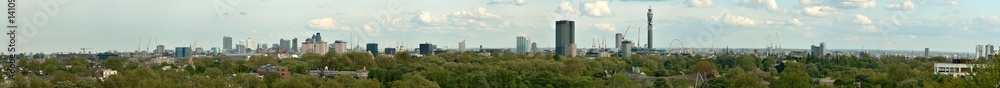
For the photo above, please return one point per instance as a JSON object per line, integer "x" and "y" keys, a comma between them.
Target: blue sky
{"x": 127, "y": 25}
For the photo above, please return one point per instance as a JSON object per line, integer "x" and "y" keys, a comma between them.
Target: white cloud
{"x": 988, "y": 20}
{"x": 369, "y": 28}
{"x": 869, "y": 28}
{"x": 770, "y": 5}
{"x": 512, "y": 2}
{"x": 866, "y": 24}
{"x": 464, "y": 19}
{"x": 598, "y": 8}
{"x": 749, "y": 22}
{"x": 425, "y": 17}
{"x": 605, "y": 27}
{"x": 862, "y": 19}
{"x": 327, "y": 23}
{"x": 642, "y": 0}
{"x": 819, "y": 11}
{"x": 519, "y": 2}
{"x": 803, "y": 3}
{"x": 951, "y": 3}
{"x": 853, "y": 4}
{"x": 699, "y": 3}
{"x": 794, "y": 22}
{"x": 479, "y": 14}
{"x": 565, "y": 7}
{"x": 738, "y": 20}
{"x": 905, "y": 5}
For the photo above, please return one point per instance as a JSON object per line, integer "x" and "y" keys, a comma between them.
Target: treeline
{"x": 504, "y": 70}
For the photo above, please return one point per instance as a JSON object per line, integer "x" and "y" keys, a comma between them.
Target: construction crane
{"x": 626, "y": 30}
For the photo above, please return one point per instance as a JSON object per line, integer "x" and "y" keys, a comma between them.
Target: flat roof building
{"x": 565, "y": 38}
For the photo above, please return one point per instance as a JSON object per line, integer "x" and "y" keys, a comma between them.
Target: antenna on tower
{"x": 638, "y": 36}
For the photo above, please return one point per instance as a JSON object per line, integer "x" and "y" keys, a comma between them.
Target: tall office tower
{"x": 819, "y": 50}
{"x": 618, "y": 41}
{"x": 823, "y": 46}
{"x": 315, "y": 45}
{"x": 565, "y": 38}
{"x": 523, "y": 44}
{"x": 295, "y": 45}
{"x": 390, "y": 51}
{"x": 979, "y": 51}
{"x": 264, "y": 47}
{"x": 534, "y": 47}
{"x": 372, "y": 48}
{"x": 227, "y": 44}
{"x": 989, "y": 51}
{"x": 276, "y": 47}
{"x": 250, "y": 44}
{"x": 461, "y": 46}
{"x": 427, "y": 49}
{"x": 340, "y": 46}
{"x": 317, "y": 37}
{"x": 160, "y": 49}
{"x": 240, "y": 48}
{"x": 649, "y": 34}
{"x": 182, "y": 52}
{"x": 927, "y": 52}
{"x": 198, "y": 50}
{"x": 283, "y": 45}
{"x": 572, "y": 50}
{"x": 626, "y": 49}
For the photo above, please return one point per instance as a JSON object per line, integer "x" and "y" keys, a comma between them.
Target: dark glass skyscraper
{"x": 227, "y": 43}
{"x": 427, "y": 49}
{"x": 373, "y": 48}
{"x": 295, "y": 45}
{"x": 565, "y": 38}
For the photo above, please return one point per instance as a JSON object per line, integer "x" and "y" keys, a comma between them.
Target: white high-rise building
{"x": 990, "y": 52}
{"x": 250, "y": 44}
{"x": 339, "y": 46}
{"x": 461, "y": 46}
{"x": 979, "y": 51}
{"x": 523, "y": 44}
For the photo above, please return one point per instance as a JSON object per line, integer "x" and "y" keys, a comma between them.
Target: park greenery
{"x": 507, "y": 70}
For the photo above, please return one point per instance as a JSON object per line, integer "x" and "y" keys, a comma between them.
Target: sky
{"x": 127, "y": 25}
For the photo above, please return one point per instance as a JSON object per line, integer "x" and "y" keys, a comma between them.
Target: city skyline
{"x": 943, "y": 25}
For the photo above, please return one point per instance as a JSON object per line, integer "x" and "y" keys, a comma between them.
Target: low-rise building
{"x": 331, "y": 73}
{"x": 953, "y": 69}
{"x": 268, "y": 69}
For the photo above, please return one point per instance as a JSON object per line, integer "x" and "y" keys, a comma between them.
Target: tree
{"x": 247, "y": 81}
{"x": 295, "y": 81}
{"x": 271, "y": 78}
{"x": 213, "y": 72}
{"x": 113, "y": 63}
{"x": 899, "y": 72}
{"x": 705, "y": 68}
{"x": 30, "y": 81}
{"x": 746, "y": 61}
{"x": 366, "y": 83}
{"x": 621, "y": 81}
{"x": 987, "y": 73}
{"x": 744, "y": 79}
{"x": 794, "y": 76}
{"x": 412, "y": 80}
{"x": 661, "y": 83}
{"x": 52, "y": 65}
